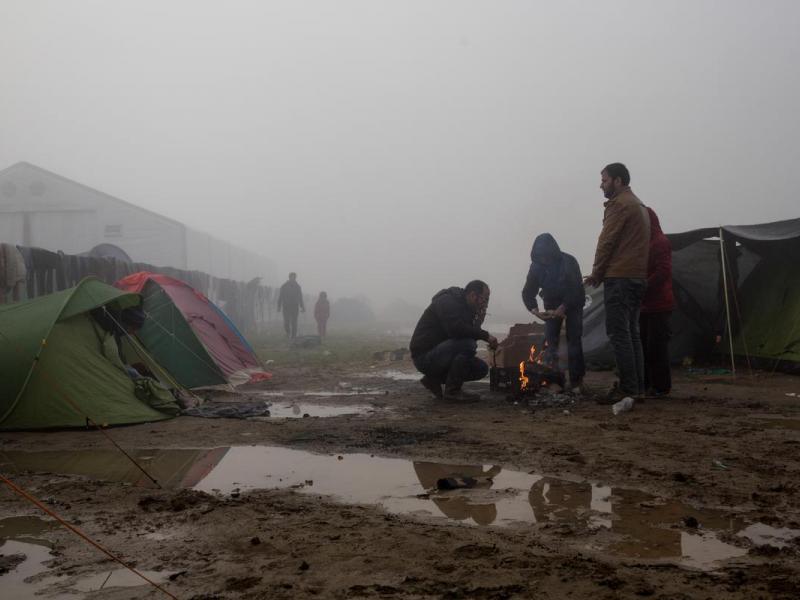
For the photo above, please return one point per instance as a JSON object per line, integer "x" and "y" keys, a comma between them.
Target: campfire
{"x": 525, "y": 377}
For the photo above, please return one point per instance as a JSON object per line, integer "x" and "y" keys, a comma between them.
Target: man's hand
{"x": 591, "y": 280}
{"x": 492, "y": 341}
{"x": 559, "y": 312}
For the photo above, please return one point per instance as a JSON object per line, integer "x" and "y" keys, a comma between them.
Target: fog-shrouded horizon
{"x": 391, "y": 149}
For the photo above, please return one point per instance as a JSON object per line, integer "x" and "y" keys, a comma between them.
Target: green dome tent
{"x": 55, "y": 370}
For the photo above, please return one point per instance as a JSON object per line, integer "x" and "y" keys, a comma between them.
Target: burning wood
{"x": 519, "y": 366}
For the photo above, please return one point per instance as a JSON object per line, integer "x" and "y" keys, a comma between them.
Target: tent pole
{"x": 727, "y": 305}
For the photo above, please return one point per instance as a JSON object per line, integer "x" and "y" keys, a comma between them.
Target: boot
{"x": 461, "y": 396}
{"x": 433, "y": 385}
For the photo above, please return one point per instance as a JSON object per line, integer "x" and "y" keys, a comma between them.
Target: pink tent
{"x": 171, "y": 342}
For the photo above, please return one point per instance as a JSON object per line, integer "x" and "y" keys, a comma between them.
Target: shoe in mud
{"x": 432, "y": 385}
{"x": 461, "y": 396}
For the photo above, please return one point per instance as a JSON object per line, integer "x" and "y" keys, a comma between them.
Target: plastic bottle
{"x": 623, "y": 405}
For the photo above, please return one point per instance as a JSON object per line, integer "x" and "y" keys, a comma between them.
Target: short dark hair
{"x": 615, "y": 170}
{"x": 477, "y": 286}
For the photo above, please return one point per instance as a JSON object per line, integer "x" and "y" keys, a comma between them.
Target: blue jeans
{"x": 623, "y": 302}
{"x": 552, "y": 333}
{"x": 452, "y": 362}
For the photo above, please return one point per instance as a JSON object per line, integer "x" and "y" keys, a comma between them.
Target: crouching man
{"x": 445, "y": 341}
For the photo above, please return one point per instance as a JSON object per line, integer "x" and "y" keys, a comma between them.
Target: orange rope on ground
{"x": 79, "y": 533}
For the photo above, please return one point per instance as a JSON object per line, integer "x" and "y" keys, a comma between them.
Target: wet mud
{"x": 399, "y": 496}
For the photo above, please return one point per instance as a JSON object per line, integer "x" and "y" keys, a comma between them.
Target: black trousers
{"x": 656, "y": 332}
{"x": 290, "y": 320}
{"x": 552, "y": 333}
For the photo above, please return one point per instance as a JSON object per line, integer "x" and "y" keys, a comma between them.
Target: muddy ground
{"x": 718, "y": 455}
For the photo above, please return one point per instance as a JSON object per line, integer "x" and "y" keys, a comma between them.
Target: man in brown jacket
{"x": 620, "y": 263}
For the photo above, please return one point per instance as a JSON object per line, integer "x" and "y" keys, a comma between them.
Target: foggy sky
{"x": 395, "y": 148}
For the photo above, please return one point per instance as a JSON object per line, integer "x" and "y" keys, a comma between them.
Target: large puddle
{"x": 624, "y": 522}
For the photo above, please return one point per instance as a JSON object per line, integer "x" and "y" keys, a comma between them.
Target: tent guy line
{"x": 18, "y": 490}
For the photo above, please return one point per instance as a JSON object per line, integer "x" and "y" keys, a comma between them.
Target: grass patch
{"x": 337, "y": 349}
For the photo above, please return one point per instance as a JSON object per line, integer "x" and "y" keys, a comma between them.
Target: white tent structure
{"x": 40, "y": 208}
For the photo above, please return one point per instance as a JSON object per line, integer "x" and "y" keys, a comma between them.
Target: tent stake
{"x": 727, "y": 305}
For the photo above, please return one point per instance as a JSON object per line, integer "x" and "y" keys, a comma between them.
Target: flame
{"x": 523, "y": 381}
{"x": 534, "y": 357}
{"x": 540, "y": 359}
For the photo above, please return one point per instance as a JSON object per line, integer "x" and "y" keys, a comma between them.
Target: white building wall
{"x": 40, "y": 208}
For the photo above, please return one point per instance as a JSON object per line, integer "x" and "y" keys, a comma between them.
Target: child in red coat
{"x": 322, "y": 311}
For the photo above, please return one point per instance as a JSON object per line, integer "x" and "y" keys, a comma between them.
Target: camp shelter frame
{"x": 54, "y": 371}
{"x": 759, "y": 287}
{"x": 755, "y": 267}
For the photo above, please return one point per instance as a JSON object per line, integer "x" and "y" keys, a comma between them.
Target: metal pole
{"x": 727, "y": 305}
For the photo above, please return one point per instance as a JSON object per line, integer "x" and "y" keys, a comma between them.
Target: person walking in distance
{"x": 290, "y": 302}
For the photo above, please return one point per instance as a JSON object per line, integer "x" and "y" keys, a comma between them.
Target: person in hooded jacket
{"x": 444, "y": 342}
{"x": 657, "y": 307}
{"x": 556, "y": 276}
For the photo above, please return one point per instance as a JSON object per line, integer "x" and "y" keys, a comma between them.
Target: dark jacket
{"x": 290, "y": 297}
{"x": 556, "y": 274}
{"x": 448, "y": 317}
{"x": 658, "y": 297}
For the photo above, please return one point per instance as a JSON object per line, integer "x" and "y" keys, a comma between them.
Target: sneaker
{"x": 434, "y": 386}
{"x": 461, "y": 396}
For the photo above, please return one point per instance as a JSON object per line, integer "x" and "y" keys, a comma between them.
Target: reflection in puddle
{"x": 297, "y": 410}
{"x": 171, "y": 468}
{"x": 640, "y": 526}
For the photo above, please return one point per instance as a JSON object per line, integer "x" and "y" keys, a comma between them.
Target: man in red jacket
{"x": 657, "y": 307}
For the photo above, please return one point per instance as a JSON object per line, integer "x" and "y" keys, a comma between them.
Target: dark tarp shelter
{"x": 760, "y": 319}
